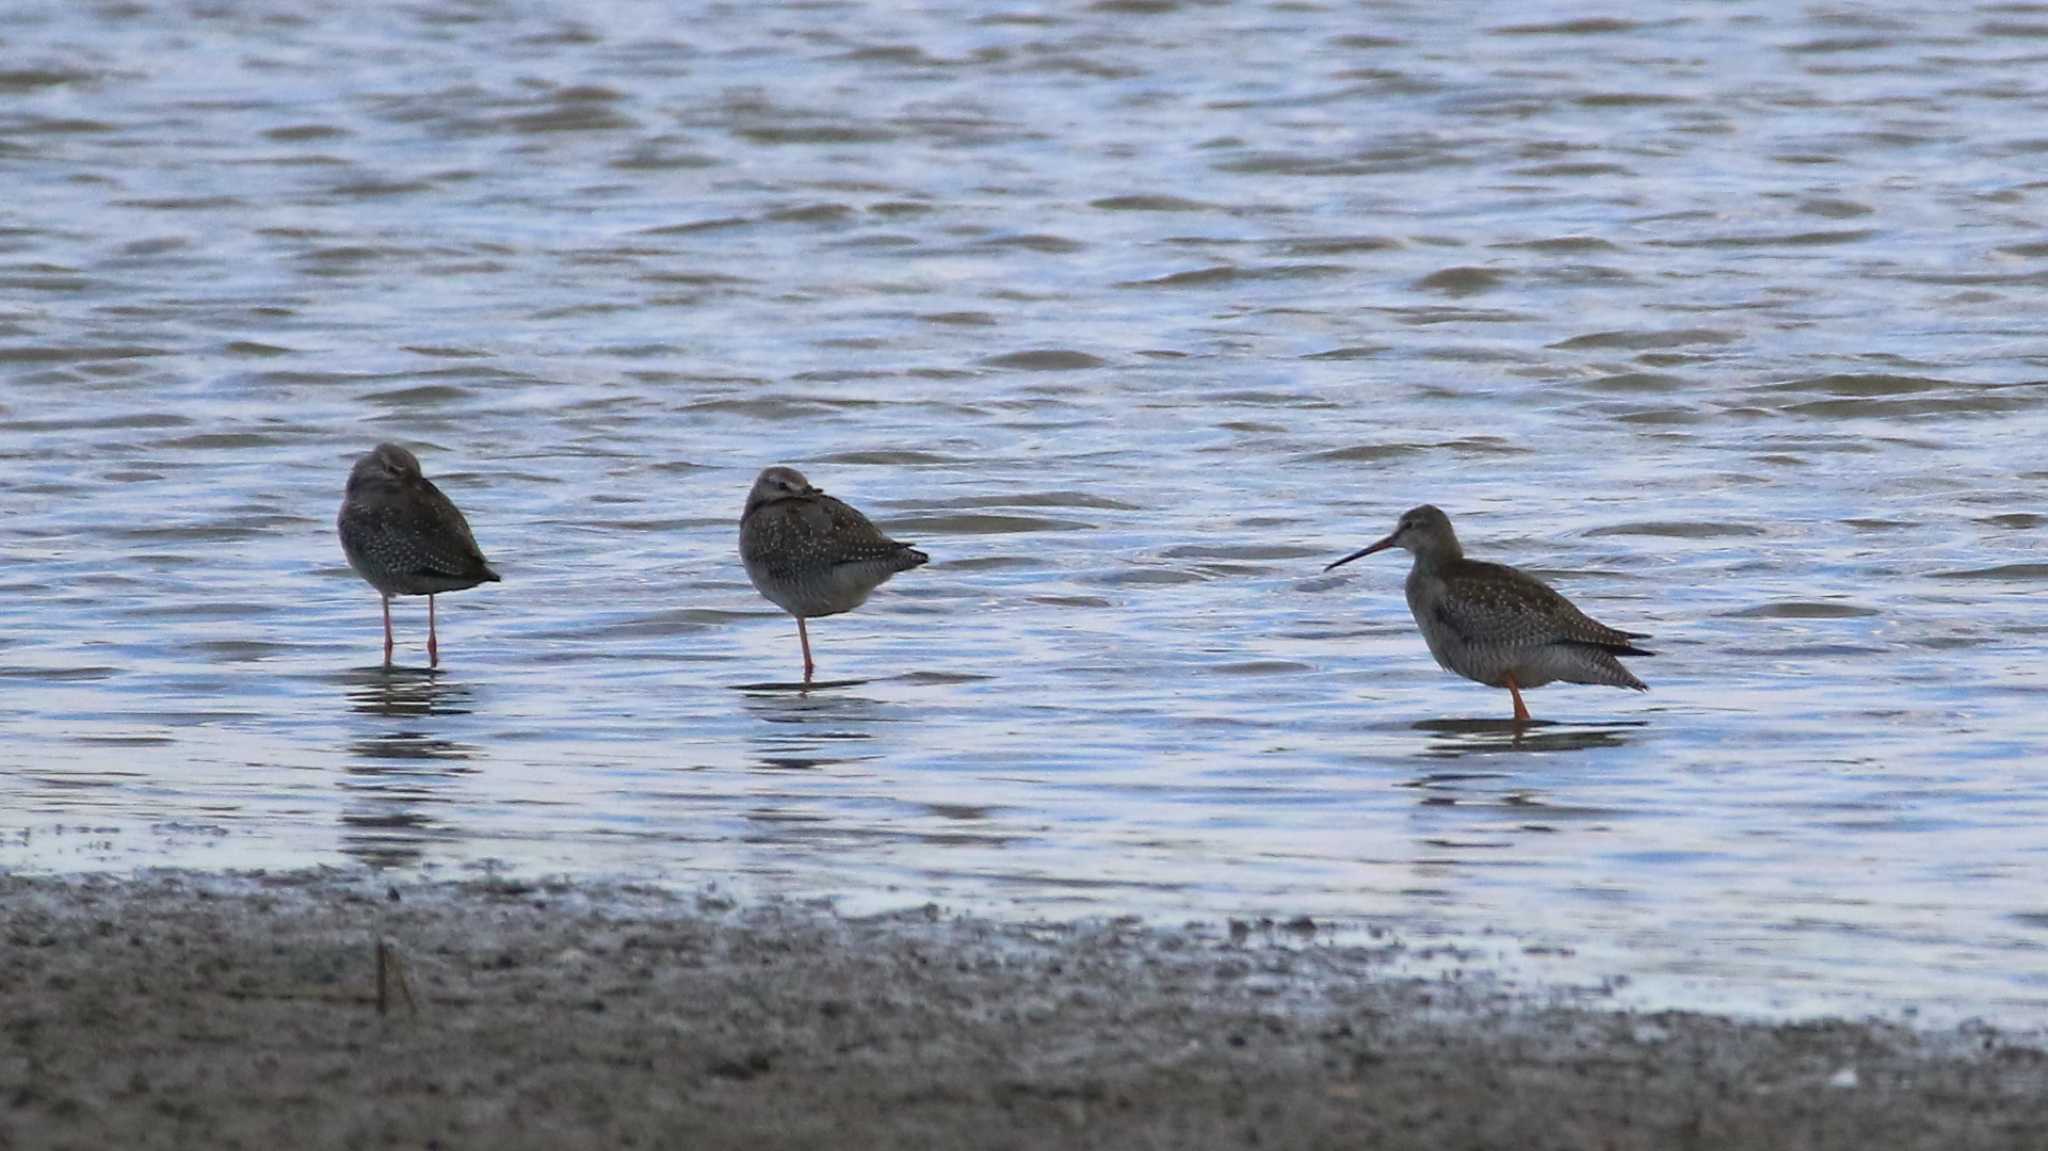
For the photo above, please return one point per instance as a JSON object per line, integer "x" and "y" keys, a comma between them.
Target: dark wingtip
{"x": 1610, "y": 648}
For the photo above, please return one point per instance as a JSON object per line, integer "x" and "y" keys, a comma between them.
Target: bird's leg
{"x": 1515, "y": 689}
{"x": 387, "y": 631}
{"x": 803, "y": 633}
{"x": 433, "y": 644}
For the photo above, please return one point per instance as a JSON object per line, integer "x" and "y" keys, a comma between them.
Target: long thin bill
{"x": 1363, "y": 552}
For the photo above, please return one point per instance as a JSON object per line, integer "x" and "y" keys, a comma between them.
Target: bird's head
{"x": 1424, "y": 530}
{"x": 779, "y": 483}
{"x": 383, "y": 467}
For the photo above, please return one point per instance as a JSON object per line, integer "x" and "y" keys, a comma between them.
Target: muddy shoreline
{"x": 183, "y": 1010}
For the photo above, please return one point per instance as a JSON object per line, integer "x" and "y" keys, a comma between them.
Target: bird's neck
{"x": 1437, "y": 557}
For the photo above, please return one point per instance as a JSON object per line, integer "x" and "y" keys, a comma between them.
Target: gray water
{"x": 1727, "y": 319}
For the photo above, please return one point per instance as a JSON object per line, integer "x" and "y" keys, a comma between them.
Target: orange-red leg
{"x": 433, "y": 645}
{"x": 387, "y": 631}
{"x": 804, "y": 634}
{"x": 1515, "y": 689}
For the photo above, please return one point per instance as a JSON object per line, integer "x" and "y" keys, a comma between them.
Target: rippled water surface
{"x": 1729, "y": 319}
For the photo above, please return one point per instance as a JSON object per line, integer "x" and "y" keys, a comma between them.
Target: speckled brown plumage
{"x": 812, "y": 555}
{"x": 406, "y": 538}
{"x": 1498, "y": 626}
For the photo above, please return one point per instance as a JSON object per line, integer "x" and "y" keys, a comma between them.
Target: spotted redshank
{"x": 1496, "y": 625}
{"x": 406, "y": 538}
{"x": 812, "y": 555}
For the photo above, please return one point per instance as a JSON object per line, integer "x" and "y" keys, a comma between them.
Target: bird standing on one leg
{"x": 1496, "y": 625}
{"x": 406, "y": 538}
{"x": 810, "y": 554}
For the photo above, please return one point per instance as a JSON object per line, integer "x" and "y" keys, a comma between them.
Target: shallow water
{"x": 1725, "y": 319}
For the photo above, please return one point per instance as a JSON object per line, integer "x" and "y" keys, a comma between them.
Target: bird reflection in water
{"x": 1498, "y": 797}
{"x": 1496, "y": 801}
{"x": 1454, "y": 738}
{"x": 399, "y": 762}
{"x": 403, "y": 691}
{"x": 804, "y": 727}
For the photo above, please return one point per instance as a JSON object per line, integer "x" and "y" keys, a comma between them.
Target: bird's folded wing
{"x": 854, "y": 538}
{"x": 1504, "y": 606}
{"x": 439, "y": 537}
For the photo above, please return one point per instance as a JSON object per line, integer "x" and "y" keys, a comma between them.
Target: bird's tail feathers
{"x": 1605, "y": 669}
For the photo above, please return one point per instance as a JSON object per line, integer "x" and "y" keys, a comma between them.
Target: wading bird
{"x": 406, "y": 538}
{"x": 810, "y": 554}
{"x": 1496, "y": 625}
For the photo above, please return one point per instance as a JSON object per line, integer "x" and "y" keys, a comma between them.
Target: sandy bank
{"x": 187, "y": 1011}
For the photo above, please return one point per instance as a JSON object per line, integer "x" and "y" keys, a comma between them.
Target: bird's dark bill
{"x": 1361, "y": 553}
